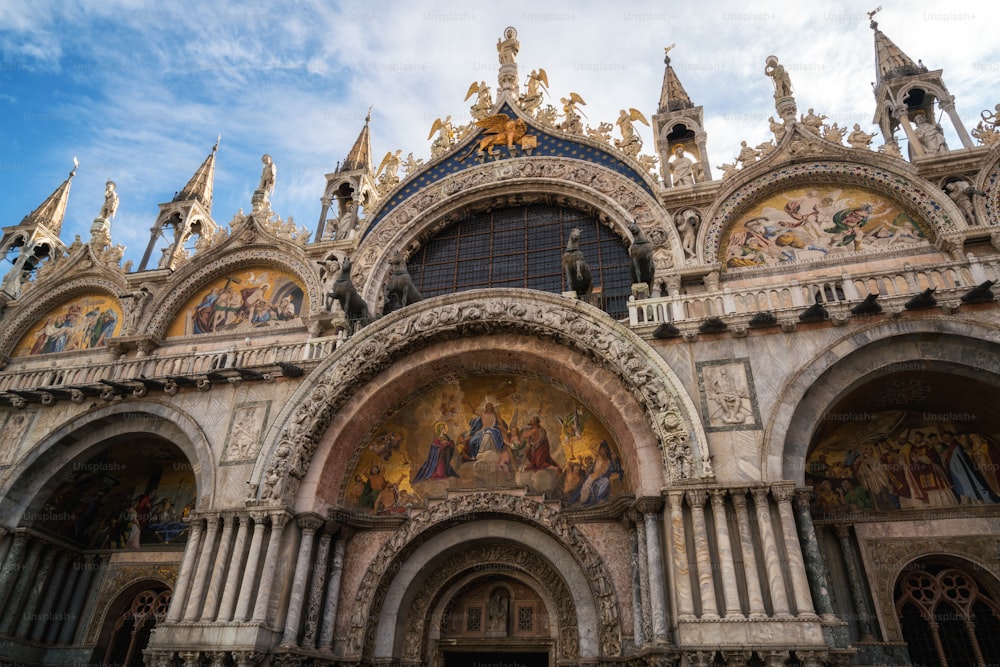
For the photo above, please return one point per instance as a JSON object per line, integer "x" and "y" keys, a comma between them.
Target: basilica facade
{"x": 540, "y": 399}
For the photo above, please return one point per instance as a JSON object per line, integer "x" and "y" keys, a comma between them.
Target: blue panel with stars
{"x": 548, "y": 146}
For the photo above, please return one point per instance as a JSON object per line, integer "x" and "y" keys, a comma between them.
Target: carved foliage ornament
{"x": 575, "y": 325}
{"x": 374, "y": 586}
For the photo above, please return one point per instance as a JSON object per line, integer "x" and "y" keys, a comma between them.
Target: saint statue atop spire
{"x": 784, "y": 103}
{"x": 507, "y": 49}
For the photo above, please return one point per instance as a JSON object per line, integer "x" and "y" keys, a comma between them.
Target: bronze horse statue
{"x": 343, "y": 291}
{"x": 575, "y": 267}
{"x": 399, "y": 289}
{"x": 641, "y": 255}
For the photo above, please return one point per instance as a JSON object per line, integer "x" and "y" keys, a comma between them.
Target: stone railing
{"x": 21, "y": 375}
{"x": 788, "y": 296}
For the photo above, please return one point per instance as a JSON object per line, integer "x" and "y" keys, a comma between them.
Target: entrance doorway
{"x": 495, "y": 659}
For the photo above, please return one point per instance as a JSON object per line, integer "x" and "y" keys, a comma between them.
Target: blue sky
{"x": 138, "y": 91}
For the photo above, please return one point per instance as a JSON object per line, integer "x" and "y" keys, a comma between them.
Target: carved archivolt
{"x": 569, "y": 322}
{"x": 394, "y": 552}
{"x": 615, "y": 198}
{"x": 173, "y": 297}
{"x": 988, "y": 180}
{"x": 933, "y": 211}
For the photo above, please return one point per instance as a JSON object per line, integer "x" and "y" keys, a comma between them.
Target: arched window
{"x": 947, "y": 619}
{"x": 522, "y": 247}
{"x": 132, "y": 628}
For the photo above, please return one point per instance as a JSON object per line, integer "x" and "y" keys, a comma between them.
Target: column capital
{"x": 843, "y": 530}
{"x": 760, "y": 494}
{"x": 696, "y": 497}
{"x": 739, "y": 497}
{"x": 718, "y": 497}
{"x": 310, "y": 522}
{"x": 803, "y": 497}
{"x": 648, "y": 504}
{"x": 783, "y": 491}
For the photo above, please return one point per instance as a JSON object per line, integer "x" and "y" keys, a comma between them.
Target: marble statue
{"x": 929, "y": 134}
{"x": 860, "y": 139}
{"x": 110, "y": 206}
{"x": 267, "y": 176}
{"x": 782, "y": 83}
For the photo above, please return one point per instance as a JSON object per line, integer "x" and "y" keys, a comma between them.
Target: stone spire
{"x": 50, "y": 212}
{"x": 890, "y": 61}
{"x": 188, "y": 214}
{"x": 349, "y": 190}
{"x": 673, "y": 97}
{"x": 360, "y": 157}
{"x": 35, "y": 238}
{"x": 908, "y": 96}
{"x": 679, "y": 133}
{"x": 199, "y": 188}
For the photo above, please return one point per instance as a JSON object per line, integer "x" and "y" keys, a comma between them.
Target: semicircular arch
{"x": 30, "y": 480}
{"x": 668, "y": 410}
{"x": 930, "y": 209}
{"x": 56, "y": 295}
{"x": 182, "y": 286}
{"x": 560, "y": 548}
{"x": 855, "y": 359}
{"x": 615, "y": 199}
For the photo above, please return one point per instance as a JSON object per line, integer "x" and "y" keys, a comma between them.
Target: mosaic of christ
{"x": 250, "y": 299}
{"x": 487, "y": 432}
{"x": 815, "y": 222}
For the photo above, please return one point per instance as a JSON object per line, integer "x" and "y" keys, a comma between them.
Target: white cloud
{"x": 148, "y": 86}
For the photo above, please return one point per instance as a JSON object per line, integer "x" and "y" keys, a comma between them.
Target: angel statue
{"x": 484, "y": 100}
{"x": 537, "y": 85}
{"x": 572, "y": 115}
{"x": 411, "y": 165}
{"x": 630, "y": 143}
{"x": 445, "y": 137}
{"x": 387, "y": 171}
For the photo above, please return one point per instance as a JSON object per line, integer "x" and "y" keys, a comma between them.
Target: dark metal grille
{"x": 522, "y": 247}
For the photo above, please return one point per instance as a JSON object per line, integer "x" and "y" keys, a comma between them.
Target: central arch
{"x": 419, "y": 561}
{"x": 552, "y": 323}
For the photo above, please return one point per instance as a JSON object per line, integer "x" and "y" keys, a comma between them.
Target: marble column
{"x": 278, "y": 522}
{"x": 232, "y": 588}
{"x": 16, "y": 600}
{"x": 7, "y": 538}
{"x": 793, "y": 552}
{"x": 321, "y": 225}
{"x": 650, "y": 507}
{"x": 33, "y": 598}
{"x": 309, "y": 524}
{"x": 751, "y": 573}
{"x": 911, "y": 136}
{"x": 702, "y": 555}
{"x": 682, "y": 573}
{"x": 179, "y": 598}
{"x": 318, "y": 586}
{"x": 212, "y": 597}
{"x": 66, "y": 631}
{"x": 203, "y": 568}
{"x": 47, "y": 609}
{"x": 772, "y": 559}
{"x": 638, "y": 639}
{"x": 640, "y": 535}
{"x": 242, "y": 612}
{"x": 861, "y": 610}
{"x": 12, "y": 567}
{"x": 949, "y": 108}
{"x": 816, "y": 570}
{"x": 332, "y": 594}
{"x": 730, "y": 589}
